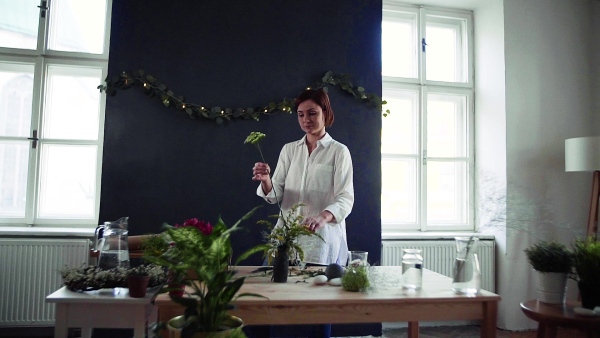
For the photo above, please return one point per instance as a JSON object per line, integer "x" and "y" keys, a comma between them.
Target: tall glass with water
{"x": 466, "y": 277}
{"x": 412, "y": 269}
{"x": 114, "y": 249}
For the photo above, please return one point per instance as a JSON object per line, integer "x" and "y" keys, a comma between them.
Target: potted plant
{"x": 586, "y": 263}
{"x": 282, "y": 242}
{"x": 552, "y": 262}
{"x": 200, "y": 255}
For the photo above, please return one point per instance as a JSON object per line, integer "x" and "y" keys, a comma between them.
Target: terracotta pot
{"x": 281, "y": 266}
{"x": 232, "y": 324}
{"x": 137, "y": 285}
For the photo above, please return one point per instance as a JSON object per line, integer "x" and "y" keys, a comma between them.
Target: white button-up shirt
{"x": 320, "y": 181}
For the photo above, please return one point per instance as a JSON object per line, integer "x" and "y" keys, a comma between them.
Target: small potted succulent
{"x": 552, "y": 263}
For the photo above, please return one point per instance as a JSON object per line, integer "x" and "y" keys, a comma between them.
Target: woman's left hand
{"x": 314, "y": 223}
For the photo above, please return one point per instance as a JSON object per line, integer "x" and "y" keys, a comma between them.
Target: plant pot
{"x": 590, "y": 295}
{"x": 137, "y": 285}
{"x": 551, "y": 286}
{"x": 281, "y": 266}
{"x": 232, "y": 324}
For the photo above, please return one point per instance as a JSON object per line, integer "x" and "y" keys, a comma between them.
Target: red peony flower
{"x": 204, "y": 227}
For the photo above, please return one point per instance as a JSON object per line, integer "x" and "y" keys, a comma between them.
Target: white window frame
{"x": 41, "y": 58}
{"x": 421, "y": 85}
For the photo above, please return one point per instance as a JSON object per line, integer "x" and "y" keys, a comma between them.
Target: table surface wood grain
{"x": 300, "y": 301}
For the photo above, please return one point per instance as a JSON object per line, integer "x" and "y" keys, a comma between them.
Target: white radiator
{"x": 438, "y": 256}
{"x": 29, "y": 271}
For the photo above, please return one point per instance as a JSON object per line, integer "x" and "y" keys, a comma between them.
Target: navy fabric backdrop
{"x": 160, "y": 166}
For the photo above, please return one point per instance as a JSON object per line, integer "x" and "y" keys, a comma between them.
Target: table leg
{"x": 488, "y": 322}
{"x": 546, "y": 331}
{"x": 86, "y": 332}
{"x": 61, "y": 327}
{"x": 413, "y": 329}
{"x": 140, "y": 324}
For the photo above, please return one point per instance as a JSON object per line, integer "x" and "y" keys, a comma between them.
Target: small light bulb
{"x": 145, "y": 84}
{"x": 183, "y": 106}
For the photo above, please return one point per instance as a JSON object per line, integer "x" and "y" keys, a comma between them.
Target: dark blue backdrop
{"x": 160, "y": 166}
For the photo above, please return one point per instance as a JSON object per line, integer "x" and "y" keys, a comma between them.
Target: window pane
{"x": 398, "y": 203}
{"x": 398, "y": 45}
{"x": 399, "y": 130}
{"x": 446, "y": 52}
{"x": 14, "y": 162}
{"x": 77, "y": 26}
{"x": 67, "y": 181}
{"x": 16, "y": 94}
{"x": 72, "y": 105}
{"x": 446, "y": 192}
{"x": 19, "y": 23}
{"x": 446, "y": 125}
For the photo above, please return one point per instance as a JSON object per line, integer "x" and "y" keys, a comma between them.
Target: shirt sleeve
{"x": 277, "y": 180}
{"x": 343, "y": 186}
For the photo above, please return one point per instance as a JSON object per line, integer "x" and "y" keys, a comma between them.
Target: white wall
{"x": 537, "y": 84}
{"x": 549, "y": 98}
{"x": 534, "y": 88}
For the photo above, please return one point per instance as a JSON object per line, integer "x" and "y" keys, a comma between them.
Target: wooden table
{"x": 106, "y": 308}
{"x": 551, "y": 316}
{"x": 296, "y": 302}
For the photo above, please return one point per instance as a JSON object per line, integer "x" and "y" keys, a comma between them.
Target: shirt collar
{"x": 324, "y": 141}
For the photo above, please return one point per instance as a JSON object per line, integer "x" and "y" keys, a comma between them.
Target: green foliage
{"x": 549, "y": 257}
{"x": 154, "y": 245}
{"x": 205, "y": 256}
{"x": 254, "y": 138}
{"x": 155, "y": 88}
{"x": 356, "y": 279}
{"x": 586, "y": 260}
{"x": 94, "y": 278}
{"x": 286, "y": 235}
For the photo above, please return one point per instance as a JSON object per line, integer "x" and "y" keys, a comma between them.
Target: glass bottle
{"x": 412, "y": 269}
{"x": 466, "y": 276}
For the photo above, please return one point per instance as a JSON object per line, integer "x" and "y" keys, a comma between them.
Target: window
{"x": 427, "y": 140}
{"x": 53, "y": 56}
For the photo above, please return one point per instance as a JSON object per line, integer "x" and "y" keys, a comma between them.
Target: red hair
{"x": 320, "y": 97}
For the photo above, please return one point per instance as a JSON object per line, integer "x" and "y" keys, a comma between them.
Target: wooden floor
{"x": 473, "y": 332}
{"x": 425, "y": 332}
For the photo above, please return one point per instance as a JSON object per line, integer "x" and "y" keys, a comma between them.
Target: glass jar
{"x": 412, "y": 269}
{"x": 466, "y": 277}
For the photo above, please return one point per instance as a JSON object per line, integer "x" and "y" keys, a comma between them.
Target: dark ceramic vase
{"x": 590, "y": 295}
{"x": 281, "y": 265}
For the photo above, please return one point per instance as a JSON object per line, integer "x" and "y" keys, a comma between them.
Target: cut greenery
{"x": 155, "y": 88}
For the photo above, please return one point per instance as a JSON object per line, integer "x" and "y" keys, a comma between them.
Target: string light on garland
{"x": 153, "y": 87}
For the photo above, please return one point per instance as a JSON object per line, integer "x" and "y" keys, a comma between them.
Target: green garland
{"x": 153, "y": 87}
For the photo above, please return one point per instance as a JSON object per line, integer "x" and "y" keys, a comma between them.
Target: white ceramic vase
{"x": 551, "y": 286}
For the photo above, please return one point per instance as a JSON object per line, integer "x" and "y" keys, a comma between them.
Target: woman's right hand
{"x": 260, "y": 172}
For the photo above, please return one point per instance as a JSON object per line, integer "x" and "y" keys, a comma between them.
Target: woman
{"x": 315, "y": 172}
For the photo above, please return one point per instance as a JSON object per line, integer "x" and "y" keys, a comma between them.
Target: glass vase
{"x": 466, "y": 276}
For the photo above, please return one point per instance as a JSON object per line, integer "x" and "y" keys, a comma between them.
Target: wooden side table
{"x": 551, "y": 316}
{"x": 98, "y": 309}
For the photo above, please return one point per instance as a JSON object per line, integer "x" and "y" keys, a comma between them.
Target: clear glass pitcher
{"x": 114, "y": 250}
{"x": 466, "y": 277}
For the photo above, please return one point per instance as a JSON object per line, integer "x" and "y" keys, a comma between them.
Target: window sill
{"x": 434, "y": 235}
{"x": 45, "y": 232}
